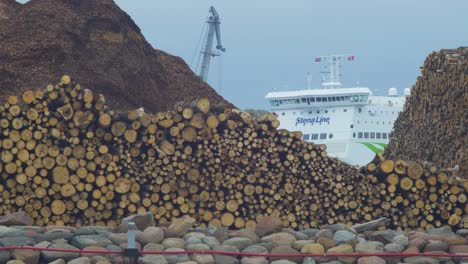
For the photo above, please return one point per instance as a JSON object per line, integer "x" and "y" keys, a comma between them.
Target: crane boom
{"x": 213, "y": 28}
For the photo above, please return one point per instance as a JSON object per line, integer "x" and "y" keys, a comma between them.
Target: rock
{"x": 440, "y": 230}
{"x": 118, "y": 238}
{"x": 95, "y": 259}
{"x": 225, "y": 259}
{"x": 280, "y": 239}
{"x": 4, "y": 256}
{"x": 141, "y": 220}
{"x": 174, "y": 243}
{"x": 203, "y": 259}
{"x": 227, "y": 248}
{"x": 342, "y": 236}
{"x": 370, "y": 247}
{"x": 54, "y": 234}
{"x": 343, "y": 248}
{"x": 173, "y": 259}
{"x": 52, "y": 255}
{"x": 401, "y": 239}
{"x": 27, "y": 256}
{"x": 220, "y": 233}
{"x": 298, "y": 244}
{"x": 300, "y": 236}
{"x": 154, "y": 247}
{"x": 326, "y": 242}
{"x": 436, "y": 246}
{"x": 58, "y": 261}
{"x": 314, "y": 248}
{"x": 462, "y": 232}
{"x": 384, "y": 236}
{"x": 419, "y": 243}
{"x": 211, "y": 241}
{"x": 16, "y": 219}
{"x": 180, "y": 226}
{"x": 255, "y": 249}
{"x": 456, "y": 240}
{"x": 332, "y": 262}
{"x": 285, "y": 250}
{"x": 84, "y": 231}
{"x": 193, "y": 240}
{"x": 125, "y": 245}
{"x": 101, "y": 262}
{"x": 187, "y": 262}
{"x": 17, "y": 241}
{"x": 459, "y": 249}
{"x": 239, "y": 242}
{"x": 371, "y": 260}
{"x": 90, "y": 255}
{"x": 310, "y": 233}
{"x": 90, "y": 240}
{"x": 394, "y": 248}
{"x": 15, "y": 262}
{"x": 411, "y": 250}
{"x": 247, "y": 233}
{"x": 268, "y": 225}
{"x": 199, "y": 246}
{"x": 150, "y": 235}
{"x": 198, "y": 235}
{"x": 153, "y": 259}
{"x": 421, "y": 260}
{"x": 82, "y": 260}
{"x": 327, "y": 233}
{"x": 254, "y": 260}
{"x": 308, "y": 260}
{"x": 282, "y": 261}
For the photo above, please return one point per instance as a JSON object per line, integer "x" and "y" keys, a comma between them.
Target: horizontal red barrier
{"x": 209, "y": 252}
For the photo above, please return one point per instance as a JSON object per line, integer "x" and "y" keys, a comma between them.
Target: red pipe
{"x": 209, "y": 252}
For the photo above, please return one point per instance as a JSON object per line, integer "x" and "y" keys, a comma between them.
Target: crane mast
{"x": 207, "y": 52}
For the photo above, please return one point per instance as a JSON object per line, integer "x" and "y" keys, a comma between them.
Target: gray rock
{"x": 333, "y": 262}
{"x": 84, "y": 231}
{"x": 268, "y": 225}
{"x": 203, "y": 259}
{"x": 52, "y": 255}
{"x": 436, "y": 246}
{"x": 440, "y": 230}
{"x": 82, "y": 260}
{"x": 421, "y": 260}
{"x": 282, "y": 261}
{"x": 308, "y": 260}
{"x": 401, "y": 239}
{"x": 27, "y": 256}
{"x": 54, "y": 234}
{"x": 370, "y": 247}
{"x": 193, "y": 240}
{"x": 141, "y": 220}
{"x": 154, "y": 247}
{"x": 199, "y": 246}
{"x": 462, "y": 232}
{"x": 254, "y": 260}
{"x": 17, "y": 241}
{"x": 384, "y": 236}
{"x": 17, "y": 218}
{"x": 95, "y": 259}
{"x": 327, "y": 233}
{"x": 173, "y": 259}
{"x": 247, "y": 233}
{"x": 337, "y": 227}
{"x": 198, "y": 234}
{"x": 179, "y": 227}
{"x": 310, "y": 233}
{"x": 211, "y": 241}
{"x": 153, "y": 259}
{"x": 267, "y": 245}
{"x": 4, "y": 256}
{"x": 239, "y": 242}
{"x": 9, "y": 232}
{"x": 394, "y": 248}
{"x": 174, "y": 243}
{"x": 118, "y": 238}
{"x": 90, "y": 240}
{"x": 286, "y": 250}
{"x": 151, "y": 235}
{"x": 342, "y": 236}
{"x": 280, "y": 239}
{"x": 225, "y": 259}
{"x": 226, "y": 248}
{"x": 300, "y": 236}
{"x": 255, "y": 249}
{"x": 58, "y": 261}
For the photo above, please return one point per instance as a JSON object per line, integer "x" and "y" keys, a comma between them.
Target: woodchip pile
{"x": 68, "y": 159}
{"x": 433, "y": 125}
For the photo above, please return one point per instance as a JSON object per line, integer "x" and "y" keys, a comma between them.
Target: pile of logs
{"x": 68, "y": 159}
{"x": 433, "y": 125}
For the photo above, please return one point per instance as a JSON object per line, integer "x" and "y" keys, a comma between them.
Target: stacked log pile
{"x": 68, "y": 159}
{"x": 433, "y": 125}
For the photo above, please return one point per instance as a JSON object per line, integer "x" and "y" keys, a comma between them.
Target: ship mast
{"x": 331, "y": 69}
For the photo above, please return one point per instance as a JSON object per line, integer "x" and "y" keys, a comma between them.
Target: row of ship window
{"x": 316, "y": 136}
{"x": 369, "y": 135}
{"x": 321, "y": 99}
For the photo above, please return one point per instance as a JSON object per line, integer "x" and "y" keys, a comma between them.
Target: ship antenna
{"x": 331, "y": 69}
{"x": 308, "y": 80}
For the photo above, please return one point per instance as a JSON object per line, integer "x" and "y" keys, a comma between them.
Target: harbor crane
{"x": 207, "y": 52}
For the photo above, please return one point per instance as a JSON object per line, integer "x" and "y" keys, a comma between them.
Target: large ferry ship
{"x": 353, "y": 123}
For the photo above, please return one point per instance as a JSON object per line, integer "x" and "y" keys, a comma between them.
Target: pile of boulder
{"x": 268, "y": 236}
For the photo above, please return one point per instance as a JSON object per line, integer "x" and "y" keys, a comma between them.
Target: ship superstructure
{"x": 352, "y": 122}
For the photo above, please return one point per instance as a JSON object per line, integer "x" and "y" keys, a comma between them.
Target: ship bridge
{"x": 319, "y": 97}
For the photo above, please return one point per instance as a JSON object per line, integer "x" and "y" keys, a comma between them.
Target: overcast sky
{"x": 272, "y": 43}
